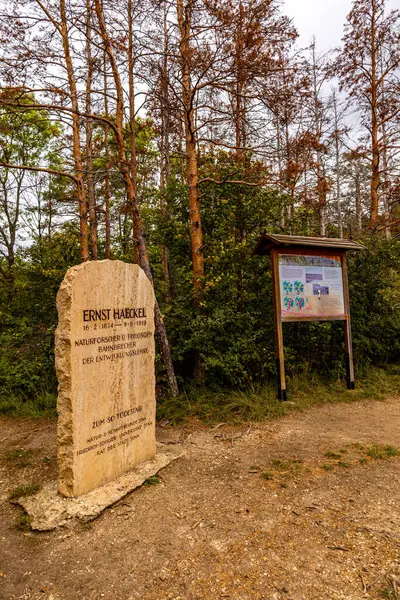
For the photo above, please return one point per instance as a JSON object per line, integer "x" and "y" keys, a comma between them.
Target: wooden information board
{"x": 310, "y": 286}
{"x": 310, "y": 283}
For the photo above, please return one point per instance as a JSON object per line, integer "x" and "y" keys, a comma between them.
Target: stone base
{"x": 48, "y": 510}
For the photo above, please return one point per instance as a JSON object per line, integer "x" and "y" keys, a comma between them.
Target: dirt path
{"x": 303, "y": 508}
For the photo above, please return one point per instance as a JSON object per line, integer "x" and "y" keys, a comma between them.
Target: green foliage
{"x": 28, "y": 318}
{"x": 233, "y": 328}
{"x": 25, "y": 135}
{"x": 374, "y": 280}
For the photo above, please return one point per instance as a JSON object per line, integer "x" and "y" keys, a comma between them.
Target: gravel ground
{"x": 302, "y": 508}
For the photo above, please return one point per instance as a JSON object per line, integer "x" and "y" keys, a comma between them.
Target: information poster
{"x": 310, "y": 286}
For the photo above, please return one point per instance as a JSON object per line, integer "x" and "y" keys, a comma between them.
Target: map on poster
{"x": 310, "y": 286}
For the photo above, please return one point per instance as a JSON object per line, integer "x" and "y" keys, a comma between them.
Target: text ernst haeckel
{"x": 118, "y": 313}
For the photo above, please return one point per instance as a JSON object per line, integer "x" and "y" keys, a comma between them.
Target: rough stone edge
{"x": 62, "y": 352}
{"x": 49, "y": 510}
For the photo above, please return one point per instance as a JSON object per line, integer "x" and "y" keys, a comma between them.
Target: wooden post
{"x": 347, "y": 328}
{"x": 280, "y": 358}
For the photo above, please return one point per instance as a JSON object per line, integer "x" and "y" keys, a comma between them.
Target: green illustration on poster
{"x": 310, "y": 286}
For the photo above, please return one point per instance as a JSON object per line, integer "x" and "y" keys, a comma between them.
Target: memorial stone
{"x": 105, "y": 368}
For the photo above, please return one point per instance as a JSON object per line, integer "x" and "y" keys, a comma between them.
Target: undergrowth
{"x": 35, "y": 407}
{"x": 255, "y": 404}
{"x": 261, "y": 403}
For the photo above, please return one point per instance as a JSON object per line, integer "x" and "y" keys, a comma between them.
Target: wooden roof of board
{"x": 268, "y": 241}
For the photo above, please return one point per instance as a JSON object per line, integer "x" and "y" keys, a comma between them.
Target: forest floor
{"x": 301, "y": 508}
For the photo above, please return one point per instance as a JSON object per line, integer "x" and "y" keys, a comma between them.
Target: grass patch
{"x": 292, "y": 465}
{"x": 24, "y": 522}
{"x": 258, "y": 404}
{"x": 214, "y": 407}
{"x": 283, "y": 471}
{"x": 42, "y": 405}
{"x": 281, "y": 465}
{"x": 267, "y": 475}
{"x": 387, "y": 594}
{"x": 49, "y": 459}
{"x": 327, "y": 467}
{"x": 378, "y": 452}
{"x": 19, "y": 457}
{"x": 25, "y": 489}
{"x": 374, "y": 451}
{"x": 359, "y": 454}
{"x": 153, "y": 480}
{"x": 18, "y": 454}
{"x": 332, "y": 455}
{"x": 357, "y": 446}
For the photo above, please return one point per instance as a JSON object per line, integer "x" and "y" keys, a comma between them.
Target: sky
{"x": 322, "y": 18}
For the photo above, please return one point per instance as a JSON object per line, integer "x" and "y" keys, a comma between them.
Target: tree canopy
{"x": 172, "y": 133}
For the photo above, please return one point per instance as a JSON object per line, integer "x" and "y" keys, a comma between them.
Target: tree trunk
{"x": 321, "y": 179}
{"x": 239, "y": 112}
{"x": 290, "y": 183}
{"x": 78, "y": 163}
{"x": 374, "y": 128}
{"x": 385, "y": 194}
{"x": 196, "y": 233}
{"x": 124, "y": 168}
{"x": 279, "y": 157}
{"x": 358, "y": 200}
{"x": 107, "y": 190}
{"x": 89, "y": 145}
{"x": 322, "y": 203}
{"x": 132, "y": 132}
{"x": 374, "y": 173}
{"x": 165, "y": 170}
{"x": 337, "y": 166}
